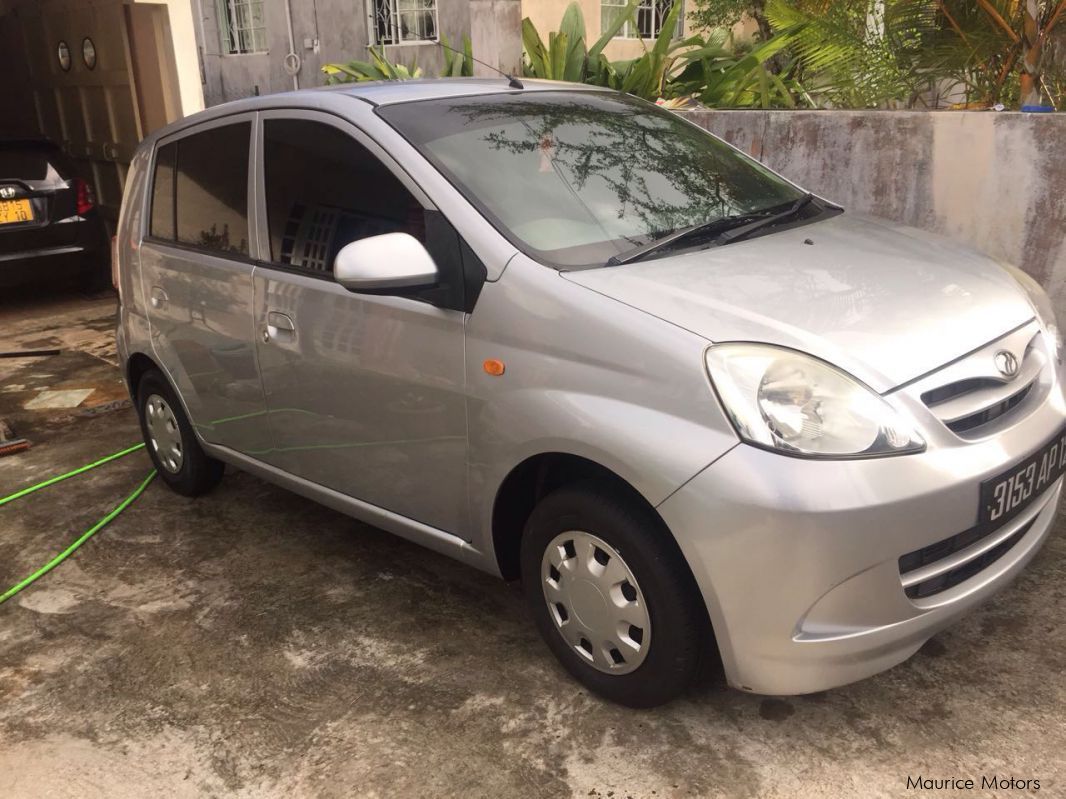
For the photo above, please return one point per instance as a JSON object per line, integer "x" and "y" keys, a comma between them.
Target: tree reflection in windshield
{"x": 575, "y": 177}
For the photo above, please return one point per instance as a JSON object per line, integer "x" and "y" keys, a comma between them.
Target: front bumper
{"x": 798, "y": 560}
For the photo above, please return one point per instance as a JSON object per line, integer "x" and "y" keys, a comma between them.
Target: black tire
{"x": 678, "y": 618}
{"x": 198, "y": 473}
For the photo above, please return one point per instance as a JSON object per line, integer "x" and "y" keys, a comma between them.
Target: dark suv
{"x": 50, "y": 227}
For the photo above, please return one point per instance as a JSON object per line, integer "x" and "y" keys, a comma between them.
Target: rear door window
{"x": 206, "y": 175}
{"x": 325, "y": 190}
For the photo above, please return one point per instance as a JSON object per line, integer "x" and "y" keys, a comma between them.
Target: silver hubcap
{"x": 595, "y": 602}
{"x": 163, "y": 433}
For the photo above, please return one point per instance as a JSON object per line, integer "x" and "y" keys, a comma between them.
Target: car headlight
{"x": 787, "y": 401}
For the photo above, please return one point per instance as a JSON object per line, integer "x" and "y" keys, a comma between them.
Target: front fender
{"x": 655, "y": 451}
{"x": 588, "y": 376}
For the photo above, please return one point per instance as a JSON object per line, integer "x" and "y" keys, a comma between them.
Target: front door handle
{"x": 279, "y": 326}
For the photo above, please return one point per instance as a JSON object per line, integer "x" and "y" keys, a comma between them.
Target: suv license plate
{"x": 14, "y": 211}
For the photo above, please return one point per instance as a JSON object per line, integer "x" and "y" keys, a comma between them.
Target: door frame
{"x": 257, "y": 168}
{"x": 419, "y": 531}
{"x": 251, "y": 187}
{"x": 229, "y": 260}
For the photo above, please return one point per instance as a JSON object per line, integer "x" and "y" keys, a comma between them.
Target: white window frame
{"x": 239, "y": 30}
{"x": 630, "y": 29}
{"x": 398, "y": 13}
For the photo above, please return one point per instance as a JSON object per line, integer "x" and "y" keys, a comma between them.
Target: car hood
{"x": 884, "y": 302}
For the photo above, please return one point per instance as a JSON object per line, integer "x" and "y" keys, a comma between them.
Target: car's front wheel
{"x": 612, "y": 595}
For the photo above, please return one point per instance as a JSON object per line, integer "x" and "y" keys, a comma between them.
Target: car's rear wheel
{"x": 612, "y": 595}
{"x": 171, "y": 441}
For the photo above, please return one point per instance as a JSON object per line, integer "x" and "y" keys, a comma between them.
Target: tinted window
{"x": 325, "y": 190}
{"x": 162, "y": 220}
{"x": 212, "y": 189}
{"x": 29, "y": 161}
{"x": 574, "y": 177}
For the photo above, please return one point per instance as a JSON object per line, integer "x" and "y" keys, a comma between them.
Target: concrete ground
{"x": 253, "y": 644}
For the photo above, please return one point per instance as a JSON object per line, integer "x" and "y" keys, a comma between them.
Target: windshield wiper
{"x": 737, "y": 233}
{"x": 692, "y": 231}
{"x": 724, "y": 230}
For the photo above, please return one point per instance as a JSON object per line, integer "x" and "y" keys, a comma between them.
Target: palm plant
{"x": 671, "y": 68}
{"x": 879, "y": 52}
{"x": 850, "y": 55}
{"x": 722, "y": 79}
{"x": 566, "y": 56}
{"x": 996, "y": 46}
{"x": 647, "y": 75}
{"x": 377, "y": 68}
{"x": 456, "y": 64}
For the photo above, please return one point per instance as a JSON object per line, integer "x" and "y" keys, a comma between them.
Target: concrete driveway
{"x": 251, "y": 643}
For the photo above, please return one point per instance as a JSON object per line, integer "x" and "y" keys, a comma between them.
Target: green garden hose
{"x": 66, "y": 553}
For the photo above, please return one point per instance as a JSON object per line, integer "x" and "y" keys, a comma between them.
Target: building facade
{"x": 248, "y": 47}
{"x": 634, "y": 37}
{"x": 95, "y": 77}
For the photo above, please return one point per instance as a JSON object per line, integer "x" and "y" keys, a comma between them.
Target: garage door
{"x": 101, "y": 75}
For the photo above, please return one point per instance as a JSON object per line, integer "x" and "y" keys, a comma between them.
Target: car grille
{"x": 971, "y": 394}
{"x": 949, "y": 546}
{"x": 944, "y": 564}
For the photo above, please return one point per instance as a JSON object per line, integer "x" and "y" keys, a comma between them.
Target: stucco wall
{"x": 994, "y": 181}
{"x": 495, "y": 36}
{"x": 183, "y": 33}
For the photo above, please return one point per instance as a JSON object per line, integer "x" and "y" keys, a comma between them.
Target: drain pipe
{"x": 292, "y": 60}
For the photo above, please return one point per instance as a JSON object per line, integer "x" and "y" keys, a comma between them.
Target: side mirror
{"x": 388, "y": 261}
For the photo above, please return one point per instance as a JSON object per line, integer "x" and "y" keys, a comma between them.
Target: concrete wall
{"x": 994, "y": 181}
{"x": 495, "y": 36}
{"x": 183, "y": 36}
{"x": 326, "y": 31}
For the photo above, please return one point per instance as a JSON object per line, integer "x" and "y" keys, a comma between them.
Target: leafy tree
{"x": 878, "y": 52}
{"x": 709, "y": 14}
{"x": 671, "y": 68}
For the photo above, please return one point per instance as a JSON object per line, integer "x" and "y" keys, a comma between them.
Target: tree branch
{"x": 1052, "y": 20}
{"x": 991, "y": 11}
{"x": 954, "y": 24}
{"x": 1008, "y": 65}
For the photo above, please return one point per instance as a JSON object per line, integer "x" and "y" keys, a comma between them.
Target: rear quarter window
{"x": 200, "y": 190}
{"x": 161, "y": 225}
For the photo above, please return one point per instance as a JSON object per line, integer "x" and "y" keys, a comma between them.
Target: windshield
{"x": 573, "y": 178}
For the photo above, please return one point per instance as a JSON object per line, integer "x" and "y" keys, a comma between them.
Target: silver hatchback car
{"x": 570, "y": 338}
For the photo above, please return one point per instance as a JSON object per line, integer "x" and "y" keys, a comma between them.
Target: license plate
{"x": 1007, "y": 494}
{"x": 15, "y": 211}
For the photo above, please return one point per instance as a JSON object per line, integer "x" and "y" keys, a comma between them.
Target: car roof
{"x": 374, "y": 93}
{"x": 387, "y": 92}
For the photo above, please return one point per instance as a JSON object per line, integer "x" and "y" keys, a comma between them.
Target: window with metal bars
{"x": 242, "y": 26}
{"x": 399, "y": 21}
{"x": 646, "y": 23}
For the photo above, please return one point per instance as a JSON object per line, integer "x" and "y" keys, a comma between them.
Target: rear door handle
{"x": 279, "y": 325}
